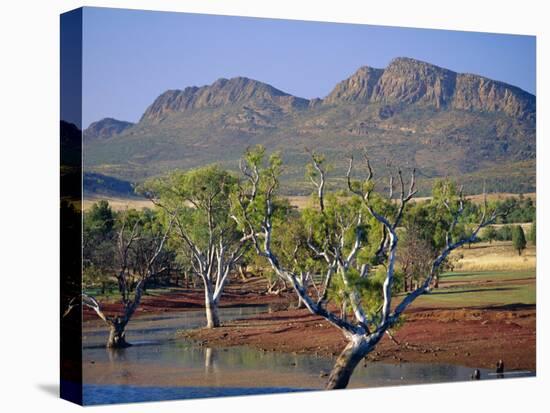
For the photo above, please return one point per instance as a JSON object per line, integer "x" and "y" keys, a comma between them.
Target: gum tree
{"x": 204, "y": 232}
{"x": 414, "y": 256}
{"x": 138, "y": 255}
{"x": 339, "y": 245}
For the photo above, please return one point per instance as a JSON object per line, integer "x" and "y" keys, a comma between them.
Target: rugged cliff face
{"x": 404, "y": 81}
{"x": 222, "y": 92}
{"x": 409, "y": 81}
{"x": 412, "y": 112}
{"x": 478, "y": 93}
{"x": 357, "y": 88}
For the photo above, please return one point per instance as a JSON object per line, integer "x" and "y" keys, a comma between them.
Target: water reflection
{"x": 116, "y": 355}
{"x": 211, "y": 367}
{"x": 158, "y": 328}
{"x": 163, "y": 367}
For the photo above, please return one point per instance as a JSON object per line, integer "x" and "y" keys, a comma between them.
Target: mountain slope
{"x": 106, "y": 128}
{"x": 98, "y": 184}
{"x": 412, "y": 113}
{"x": 222, "y": 92}
{"x": 411, "y": 81}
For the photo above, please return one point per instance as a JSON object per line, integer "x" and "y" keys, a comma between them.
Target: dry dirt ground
{"x": 468, "y": 337}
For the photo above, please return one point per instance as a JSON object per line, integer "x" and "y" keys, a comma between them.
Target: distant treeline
{"x": 512, "y": 233}
{"x": 520, "y": 209}
{"x": 99, "y": 184}
{"x": 424, "y": 228}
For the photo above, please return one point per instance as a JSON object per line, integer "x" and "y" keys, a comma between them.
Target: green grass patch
{"x": 479, "y": 289}
{"x": 479, "y": 276}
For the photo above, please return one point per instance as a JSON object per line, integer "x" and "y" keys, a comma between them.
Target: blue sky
{"x": 130, "y": 57}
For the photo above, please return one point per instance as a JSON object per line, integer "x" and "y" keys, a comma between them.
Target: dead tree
{"x": 130, "y": 284}
{"x": 365, "y": 329}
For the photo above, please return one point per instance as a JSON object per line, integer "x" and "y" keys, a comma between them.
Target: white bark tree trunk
{"x": 362, "y": 332}
{"x": 304, "y": 279}
{"x": 211, "y": 306}
{"x": 346, "y": 362}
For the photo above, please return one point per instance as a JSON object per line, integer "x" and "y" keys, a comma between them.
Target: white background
{"x": 29, "y": 235}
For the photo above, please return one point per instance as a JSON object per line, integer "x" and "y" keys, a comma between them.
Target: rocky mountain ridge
{"x": 404, "y": 81}
{"x": 410, "y": 113}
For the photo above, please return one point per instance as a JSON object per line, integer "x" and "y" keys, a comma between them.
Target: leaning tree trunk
{"x": 117, "y": 332}
{"x": 346, "y": 362}
{"x": 304, "y": 279}
{"x": 117, "y": 335}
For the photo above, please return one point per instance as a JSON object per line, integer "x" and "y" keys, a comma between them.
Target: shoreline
{"x": 470, "y": 337}
{"x": 435, "y": 330}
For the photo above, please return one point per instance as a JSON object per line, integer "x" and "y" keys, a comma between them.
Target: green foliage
{"x": 426, "y": 226}
{"x": 489, "y": 234}
{"x": 100, "y": 219}
{"x": 264, "y": 176}
{"x": 432, "y": 219}
{"x": 290, "y": 244}
{"x": 103, "y": 229}
{"x": 201, "y": 205}
{"x": 520, "y": 209}
{"x": 300, "y": 238}
{"x": 518, "y": 239}
{"x": 533, "y": 233}
{"x": 96, "y": 183}
{"x": 200, "y": 199}
{"x": 150, "y": 229}
{"x": 99, "y": 241}
{"x": 414, "y": 256}
{"x": 504, "y": 233}
{"x": 339, "y": 214}
{"x": 339, "y": 219}
{"x": 369, "y": 289}
{"x": 94, "y": 276}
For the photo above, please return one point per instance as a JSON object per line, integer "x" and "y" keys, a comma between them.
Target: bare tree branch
{"x": 90, "y": 302}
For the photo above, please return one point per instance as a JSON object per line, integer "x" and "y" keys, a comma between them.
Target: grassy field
{"x": 486, "y": 275}
{"x": 119, "y": 204}
{"x": 482, "y": 289}
{"x": 496, "y": 256}
{"x": 496, "y": 196}
{"x": 299, "y": 201}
